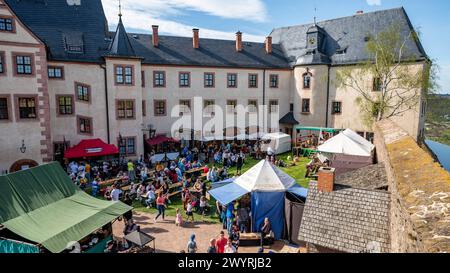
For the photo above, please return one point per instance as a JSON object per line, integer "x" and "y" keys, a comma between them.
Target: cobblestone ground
{"x": 173, "y": 239}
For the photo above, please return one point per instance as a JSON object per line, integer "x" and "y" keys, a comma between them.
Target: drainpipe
{"x": 103, "y": 66}
{"x": 264, "y": 95}
{"x": 328, "y": 97}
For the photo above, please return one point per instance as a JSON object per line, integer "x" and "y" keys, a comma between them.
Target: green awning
{"x": 44, "y": 206}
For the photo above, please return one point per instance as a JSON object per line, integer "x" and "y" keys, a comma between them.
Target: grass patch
{"x": 297, "y": 172}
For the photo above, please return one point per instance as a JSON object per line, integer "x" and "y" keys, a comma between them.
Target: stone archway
{"x": 19, "y": 164}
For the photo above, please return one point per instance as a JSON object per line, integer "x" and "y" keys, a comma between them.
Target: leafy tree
{"x": 397, "y": 84}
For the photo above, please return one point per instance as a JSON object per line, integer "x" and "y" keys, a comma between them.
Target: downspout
{"x": 328, "y": 97}
{"x": 264, "y": 96}
{"x": 103, "y": 66}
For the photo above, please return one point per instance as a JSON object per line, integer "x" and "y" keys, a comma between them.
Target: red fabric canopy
{"x": 160, "y": 139}
{"x": 91, "y": 148}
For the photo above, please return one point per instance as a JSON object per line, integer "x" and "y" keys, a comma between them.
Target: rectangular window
{"x": 306, "y": 81}
{"x": 232, "y": 80}
{"x": 336, "y": 107}
{"x": 231, "y": 106}
{"x": 159, "y": 79}
{"x": 6, "y": 24}
{"x": 24, "y": 65}
{"x": 291, "y": 107}
{"x": 209, "y": 79}
{"x": 160, "y": 107}
{"x": 84, "y": 125}
{"x": 124, "y": 74}
{"x": 125, "y": 109}
{"x": 65, "y": 105}
{"x": 273, "y": 106}
{"x": 305, "y": 106}
{"x": 2, "y": 63}
{"x": 128, "y": 146}
{"x": 253, "y": 80}
{"x": 27, "y": 108}
{"x": 184, "y": 79}
{"x": 4, "y": 112}
{"x": 144, "y": 108}
{"x": 142, "y": 79}
{"x": 252, "y": 106}
{"x": 274, "y": 81}
{"x": 185, "y": 106}
{"x": 376, "y": 85}
{"x": 83, "y": 92}
{"x": 208, "y": 106}
{"x": 55, "y": 72}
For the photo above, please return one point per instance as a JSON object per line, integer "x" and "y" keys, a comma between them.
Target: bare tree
{"x": 397, "y": 84}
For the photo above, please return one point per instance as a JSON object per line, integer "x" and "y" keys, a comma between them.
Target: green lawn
{"x": 297, "y": 172}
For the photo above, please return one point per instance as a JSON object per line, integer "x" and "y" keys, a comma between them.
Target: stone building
{"x": 65, "y": 77}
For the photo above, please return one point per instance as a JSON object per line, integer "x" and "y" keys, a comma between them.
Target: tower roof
{"x": 120, "y": 45}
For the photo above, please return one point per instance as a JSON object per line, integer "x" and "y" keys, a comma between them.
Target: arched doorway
{"x": 22, "y": 164}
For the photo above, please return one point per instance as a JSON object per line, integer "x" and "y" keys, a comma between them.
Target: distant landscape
{"x": 437, "y": 123}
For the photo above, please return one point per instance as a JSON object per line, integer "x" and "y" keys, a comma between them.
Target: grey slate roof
{"x": 347, "y": 219}
{"x": 61, "y": 26}
{"x": 120, "y": 45}
{"x": 345, "y": 33}
{"x": 372, "y": 177}
{"x": 212, "y": 52}
{"x": 57, "y": 24}
{"x": 288, "y": 119}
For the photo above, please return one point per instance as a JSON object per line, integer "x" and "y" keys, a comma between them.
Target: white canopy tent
{"x": 348, "y": 151}
{"x": 349, "y": 143}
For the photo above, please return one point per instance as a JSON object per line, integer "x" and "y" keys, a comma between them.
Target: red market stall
{"x": 160, "y": 140}
{"x": 91, "y": 148}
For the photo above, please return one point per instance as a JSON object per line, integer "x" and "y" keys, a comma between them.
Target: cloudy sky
{"x": 256, "y": 18}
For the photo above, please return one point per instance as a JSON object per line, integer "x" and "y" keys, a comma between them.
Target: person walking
{"x": 131, "y": 172}
{"x": 212, "y": 246}
{"x": 161, "y": 206}
{"x": 221, "y": 242}
{"x": 192, "y": 244}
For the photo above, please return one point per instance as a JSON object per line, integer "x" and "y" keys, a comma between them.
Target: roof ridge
{"x": 340, "y": 18}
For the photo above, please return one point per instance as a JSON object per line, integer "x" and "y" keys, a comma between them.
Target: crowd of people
{"x": 154, "y": 183}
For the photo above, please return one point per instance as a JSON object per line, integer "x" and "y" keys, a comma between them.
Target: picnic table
{"x": 194, "y": 172}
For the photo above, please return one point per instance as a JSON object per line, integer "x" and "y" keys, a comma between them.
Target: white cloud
{"x": 374, "y": 2}
{"x": 140, "y": 15}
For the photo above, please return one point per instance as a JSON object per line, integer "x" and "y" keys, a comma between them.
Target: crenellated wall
{"x": 420, "y": 192}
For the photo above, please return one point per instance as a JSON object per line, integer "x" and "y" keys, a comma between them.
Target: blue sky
{"x": 256, "y": 18}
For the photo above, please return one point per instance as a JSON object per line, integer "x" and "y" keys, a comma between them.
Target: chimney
{"x": 269, "y": 45}
{"x": 238, "y": 41}
{"x": 360, "y": 12}
{"x": 195, "y": 42}
{"x": 325, "y": 182}
{"x": 155, "y": 38}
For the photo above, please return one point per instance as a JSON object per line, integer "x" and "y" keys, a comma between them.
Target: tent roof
{"x": 44, "y": 206}
{"x": 349, "y": 143}
{"x": 276, "y": 135}
{"x": 159, "y": 140}
{"x": 140, "y": 238}
{"x": 91, "y": 148}
{"x": 265, "y": 177}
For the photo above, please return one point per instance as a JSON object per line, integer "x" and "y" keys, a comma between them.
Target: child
{"x": 189, "y": 211}
{"x": 178, "y": 218}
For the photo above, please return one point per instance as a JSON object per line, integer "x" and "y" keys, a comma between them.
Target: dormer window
{"x": 73, "y": 42}
{"x": 341, "y": 51}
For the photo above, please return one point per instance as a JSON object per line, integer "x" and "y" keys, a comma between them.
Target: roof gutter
{"x": 328, "y": 97}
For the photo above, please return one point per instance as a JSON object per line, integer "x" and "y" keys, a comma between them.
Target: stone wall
{"x": 420, "y": 192}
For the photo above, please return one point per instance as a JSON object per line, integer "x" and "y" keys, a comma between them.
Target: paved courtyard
{"x": 173, "y": 239}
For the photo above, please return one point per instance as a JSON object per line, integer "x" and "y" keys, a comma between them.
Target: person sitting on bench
{"x": 265, "y": 230}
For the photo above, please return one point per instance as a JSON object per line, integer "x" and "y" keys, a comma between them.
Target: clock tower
{"x": 315, "y": 39}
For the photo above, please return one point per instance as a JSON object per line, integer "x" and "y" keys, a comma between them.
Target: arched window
{"x": 307, "y": 80}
